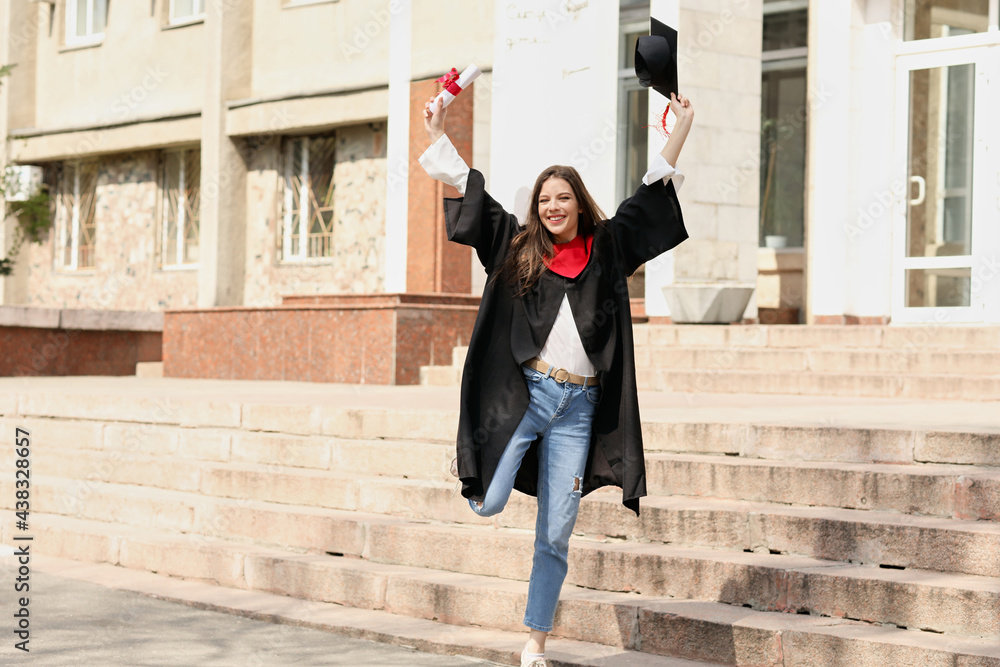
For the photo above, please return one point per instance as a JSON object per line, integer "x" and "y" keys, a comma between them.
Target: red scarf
{"x": 571, "y": 257}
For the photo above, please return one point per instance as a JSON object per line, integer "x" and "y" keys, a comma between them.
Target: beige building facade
{"x": 206, "y": 153}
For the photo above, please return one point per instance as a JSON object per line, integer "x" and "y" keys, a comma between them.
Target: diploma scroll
{"x": 455, "y": 83}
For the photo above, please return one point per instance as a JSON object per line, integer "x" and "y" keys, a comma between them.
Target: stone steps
{"x": 950, "y": 491}
{"x": 695, "y": 374}
{"x": 919, "y": 362}
{"x": 960, "y": 492}
{"x": 791, "y": 535}
{"x": 822, "y": 360}
{"x": 689, "y": 629}
{"x": 380, "y": 440}
{"x": 906, "y": 338}
{"x": 874, "y": 538}
{"x": 882, "y": 385}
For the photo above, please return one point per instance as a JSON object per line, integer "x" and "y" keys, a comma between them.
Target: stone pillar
{"x": 398, "y": 148}
{"x": 555, "y": 79}
{"x": 223, "y": 169}
{"x": 433, "y": 264}
{"x": 20, "y": 21}
{"x": 711, "y": 276}
{"x": 869, "y": 207}
{"x": 829, "y": 159}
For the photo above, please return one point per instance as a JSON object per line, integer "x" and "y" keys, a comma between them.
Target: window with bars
{"x": 75, "y": 208}
{"x": 306, "y": 231}
{"x": 85, "y": 21}
{"x": 179, "y": 227}
{"x": 186, "y": 10}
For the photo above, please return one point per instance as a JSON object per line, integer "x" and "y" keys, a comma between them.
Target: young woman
{"x": 549, "y": 404}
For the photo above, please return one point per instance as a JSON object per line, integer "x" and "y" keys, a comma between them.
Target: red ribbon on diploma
{"x": 450, "y": 81}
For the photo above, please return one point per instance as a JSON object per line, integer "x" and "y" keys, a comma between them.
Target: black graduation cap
{"x": 656, "y": 58}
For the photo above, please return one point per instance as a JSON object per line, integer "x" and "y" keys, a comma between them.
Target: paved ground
{"x": 79, "y": 623}
{"x": 829, "y": 411}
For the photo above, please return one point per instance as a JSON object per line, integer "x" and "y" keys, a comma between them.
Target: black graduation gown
{"x": 510, "y": 330}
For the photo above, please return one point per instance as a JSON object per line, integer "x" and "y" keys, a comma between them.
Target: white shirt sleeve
{"x": 442, "y": 162}
{"x": 660, "y": 168}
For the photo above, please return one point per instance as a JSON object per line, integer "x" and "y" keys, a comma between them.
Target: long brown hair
{"x": 525, "y": 259}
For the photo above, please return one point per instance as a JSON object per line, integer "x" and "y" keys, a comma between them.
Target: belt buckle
{"x": 561, "y": 375}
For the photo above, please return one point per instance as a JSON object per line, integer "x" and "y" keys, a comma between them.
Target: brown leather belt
{"x": 561, "y": 375}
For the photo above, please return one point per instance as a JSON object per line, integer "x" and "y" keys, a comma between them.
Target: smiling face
{"x": 559, "y": 209}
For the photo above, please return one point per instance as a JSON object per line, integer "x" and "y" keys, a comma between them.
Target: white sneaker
{"x": 532, "y": 662}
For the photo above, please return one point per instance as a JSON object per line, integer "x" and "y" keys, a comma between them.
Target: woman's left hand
{"x": 681, "y": 107}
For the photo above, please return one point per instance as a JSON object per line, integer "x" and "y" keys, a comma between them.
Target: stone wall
{"x": 126, "y": 274}
{"x": 719, "y": 69}
{"x": 360, "y": 339}
{"x": 358, "y": 261}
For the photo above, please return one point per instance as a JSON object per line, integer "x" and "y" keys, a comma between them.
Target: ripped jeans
{"x": 563, "y": 415}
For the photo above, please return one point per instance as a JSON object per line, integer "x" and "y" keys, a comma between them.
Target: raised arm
{"x": 476, "y": 219}
{"x": 441, "y": 161}
{"x": 434, "y": 117}
{"x": 650, "y": 222}
{"x": 681, "y": 106}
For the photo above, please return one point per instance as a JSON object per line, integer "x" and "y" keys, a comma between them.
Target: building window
{"x": 75, "y": 207}
{"x": 931, "y": 19}
{"x": 784, "y": 111}
{"x": 633, "y": 117}
{"x": 85, "y": 21}
{"x": 182, "y": 11}
{"x": 179, "y": 228}
{"x": 307, "y": 198}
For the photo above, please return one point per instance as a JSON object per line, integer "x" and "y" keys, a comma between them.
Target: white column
{"x": 828, "y": 155}
{"x": 555, "y": 101}
{"x": 873, "y": 186}
{"x": 398, "y": 148}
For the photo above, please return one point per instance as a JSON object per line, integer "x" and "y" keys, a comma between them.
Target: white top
{"x": 563, "y": 348}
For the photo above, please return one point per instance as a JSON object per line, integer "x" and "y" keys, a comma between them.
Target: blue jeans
{"x": 563, "y": 415}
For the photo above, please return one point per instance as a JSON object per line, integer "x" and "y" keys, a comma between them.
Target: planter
{"x": 707, "y": 303}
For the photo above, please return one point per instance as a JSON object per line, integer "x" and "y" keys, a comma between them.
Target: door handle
{"x": 921, "y": 190}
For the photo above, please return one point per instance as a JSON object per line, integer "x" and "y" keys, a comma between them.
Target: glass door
{"x": 946, "y": 223}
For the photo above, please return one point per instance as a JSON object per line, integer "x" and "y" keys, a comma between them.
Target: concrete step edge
{"x": 695, "y": 613}
{"x": 608, "y": 496}
{"x": 812, "y": 442}
{"x": 960, "y": 492}
{"x": 385, "y": 538}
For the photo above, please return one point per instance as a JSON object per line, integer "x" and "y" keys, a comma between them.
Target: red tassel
{"x": 661, "y": 126}
{"x": 663, "y": 121}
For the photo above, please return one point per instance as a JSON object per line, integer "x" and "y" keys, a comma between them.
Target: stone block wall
{"x": 358, "y": 262}
{"x": 126, "y": 275}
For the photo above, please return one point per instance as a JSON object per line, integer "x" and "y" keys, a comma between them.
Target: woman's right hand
{"x": 434, "y": 117}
